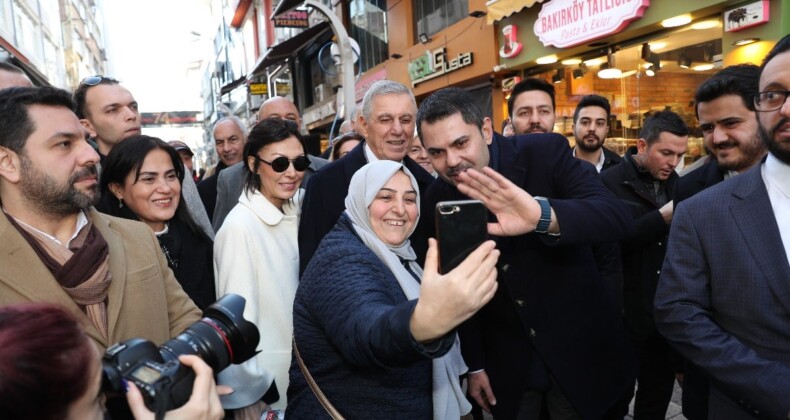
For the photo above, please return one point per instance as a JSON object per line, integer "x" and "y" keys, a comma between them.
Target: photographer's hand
{"x": 203, "y": 404}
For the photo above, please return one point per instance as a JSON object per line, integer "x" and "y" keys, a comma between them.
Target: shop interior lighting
{"x": 424, "y": 38}
{"x": 656, "y": 46}
{"x": 684, "y": 62}
{"x": 676, "y": 21}
{"x": 593, "y": 62}
{"x": 571, "y": 61}
{"x": 646, "y": 51}
{"x": 477, "y": 14}
{"x": 650, "y": 71}
{"x": 703, "y": 67}
{"x": 608, "y": 69}
{"x": 558, "y": 76}
{"x": 746, "y": 41}
{"x": 705, "y": 24}
{"x": 548, "y": 59}
{"x": 580, "y": 72}
{"x": 653, "y": 64}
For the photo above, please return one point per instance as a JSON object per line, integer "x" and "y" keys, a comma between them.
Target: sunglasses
{"x": 282, "y": 163}
{"x": 94, "y": 80}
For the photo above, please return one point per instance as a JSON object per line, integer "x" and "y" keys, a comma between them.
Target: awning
{"x": 500, "y": 9}
{"x": 232, "y": 85}
{"x": 286, "y": 5}
{"x": 288, "y": 48}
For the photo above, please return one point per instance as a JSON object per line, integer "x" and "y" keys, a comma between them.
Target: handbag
{"x": 330, "y": 409}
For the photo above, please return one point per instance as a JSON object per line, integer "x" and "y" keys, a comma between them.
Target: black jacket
{"x": 697, "y": 180}
{"x": 644, "y": 248}
{"x": 610, "y": 159}
{"x": 207, "y": 189}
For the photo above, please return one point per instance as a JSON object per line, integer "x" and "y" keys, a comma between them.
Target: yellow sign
{"x": 259, "y": 89}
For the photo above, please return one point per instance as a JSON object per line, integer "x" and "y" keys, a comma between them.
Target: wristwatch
{"x": 545, "y": 215}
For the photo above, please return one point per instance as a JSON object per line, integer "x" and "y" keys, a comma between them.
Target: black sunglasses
{"x": 282, "y": 163}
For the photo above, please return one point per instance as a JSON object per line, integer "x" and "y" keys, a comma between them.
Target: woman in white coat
{"x": 256, "y": 256}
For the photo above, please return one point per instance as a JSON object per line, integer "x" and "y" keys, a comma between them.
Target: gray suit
{"x": 230, "y": 183}
{"x": 723, "y": 299}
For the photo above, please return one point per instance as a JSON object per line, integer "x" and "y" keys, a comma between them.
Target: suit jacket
{"x": 551, "y": 311}
{"x": 325, "y": 197}
{"x": 144, "y": 299}
{"x": 230, "y": 183}
{"x": 207, "y": 189}
{"x": 724, "y": 297}
{"x": 697, "y": 180}
{"x": 610, "y": 159}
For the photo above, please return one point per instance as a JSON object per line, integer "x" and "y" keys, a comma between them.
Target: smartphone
{"x": 461, "y": 226}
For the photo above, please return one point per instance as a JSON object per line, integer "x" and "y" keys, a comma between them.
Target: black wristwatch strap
{"x": 545, "y": 215}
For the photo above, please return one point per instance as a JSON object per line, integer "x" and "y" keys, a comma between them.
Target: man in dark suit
{"x": 387, "y": 123}
{"x": 724, "y": 295}
{"x": 725, "y": 110}
{"x": 230, "y": 182}
{"x": 230, "y": 136}
{"x": 551, "y": 335}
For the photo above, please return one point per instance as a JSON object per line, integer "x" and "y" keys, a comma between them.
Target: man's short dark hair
{"x": 15, "y": 123}
{"x": 82, "y": 92}
{"x": 741, "y": 79}
{"x": 661, "y": 122}
{"x": 447, "y": 102}
{"x": 11, "y": 68}
{"x": 592, "y": 100}
{"x": 782, "y": 46}
{"x": 527, "y": 85}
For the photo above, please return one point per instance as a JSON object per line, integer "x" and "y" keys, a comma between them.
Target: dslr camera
{"x": 220, "y": 338}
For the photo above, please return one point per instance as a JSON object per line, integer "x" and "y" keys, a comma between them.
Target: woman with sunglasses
{"x": 257, "y": 256}
{"x": 141, "y": 179}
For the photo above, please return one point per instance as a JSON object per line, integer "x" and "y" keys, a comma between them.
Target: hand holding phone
{"x": 461, "y": 226}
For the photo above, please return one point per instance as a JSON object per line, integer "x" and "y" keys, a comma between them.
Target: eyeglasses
{"x": 282, "y": 163}
{"x": 770, "y": 100}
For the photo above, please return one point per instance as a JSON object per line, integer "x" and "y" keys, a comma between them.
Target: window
{"x": 369, "y": 29}
{"x": 431, "y": 16}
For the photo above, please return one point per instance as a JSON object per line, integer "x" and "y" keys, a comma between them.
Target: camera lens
{"x": 222, "y": 337}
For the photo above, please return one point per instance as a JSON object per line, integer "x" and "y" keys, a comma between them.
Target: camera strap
{"x": 162, "y": 399}
{"x": 330, "y": 409}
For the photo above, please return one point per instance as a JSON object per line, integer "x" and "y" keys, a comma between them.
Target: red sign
{"x": 566, "y": 23}
{"x": 510, "y": 45}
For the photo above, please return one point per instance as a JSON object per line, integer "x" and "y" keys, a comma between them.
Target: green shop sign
{"x": 434, "y": 64}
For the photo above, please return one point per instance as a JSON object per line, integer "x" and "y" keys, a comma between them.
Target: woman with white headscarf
{"x": 375, "y": 332}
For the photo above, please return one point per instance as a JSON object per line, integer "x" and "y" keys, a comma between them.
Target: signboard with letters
{"x": 292, "y": 19}
{"x": 566, "y": 23}
{"x": 435, "y": 63}
{"x": 259, "y": 89}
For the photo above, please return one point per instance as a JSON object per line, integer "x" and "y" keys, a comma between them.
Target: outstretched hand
{"x": 515, "y": 209}
{"x": 448, "y": 300}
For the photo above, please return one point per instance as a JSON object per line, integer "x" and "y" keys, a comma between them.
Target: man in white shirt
{"x": 723, "y": 299}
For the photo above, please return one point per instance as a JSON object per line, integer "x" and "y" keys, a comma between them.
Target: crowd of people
{"x": 605, "y": 278}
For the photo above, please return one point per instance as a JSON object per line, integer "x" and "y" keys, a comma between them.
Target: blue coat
{"x": 351, "y": 325}
{"x": 551, "y": 313}
{"x": 723, "y": 299}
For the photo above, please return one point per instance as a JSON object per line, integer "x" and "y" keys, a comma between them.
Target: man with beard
{"x": 55, "y": 247}
{"x": 725, "y": 110}
{"x": 110, "y": 114}
{"x": 531, "y": 106}
{"x": 645, "y": 180}
{"x": 590, "y": 125}
{"x": 722, "y": 301}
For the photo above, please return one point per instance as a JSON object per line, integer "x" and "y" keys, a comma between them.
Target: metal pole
{"x": 346, "y": 55}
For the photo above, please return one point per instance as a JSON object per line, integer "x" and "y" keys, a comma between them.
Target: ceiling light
{"x": 655, "y": 46}
{"x": 571, "y": 61}
{"x": 650, "y": 72}
{"x": 558, "y": 77}
{"x": 684, "y": 62}
{"x": 746, "y": 41}
{"x": 703, "y": 67}
{"x": 676, "y": 21}
{"x": 593, "y": 62}
{"x": 607, "y": 72}
{"x": 705, "y": 24}
{"x": 549, "y": 59}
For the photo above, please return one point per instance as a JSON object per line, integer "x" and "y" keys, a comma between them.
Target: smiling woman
{"x": 141, "y": 180}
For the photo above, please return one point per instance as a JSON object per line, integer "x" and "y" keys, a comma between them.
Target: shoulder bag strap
{"x": 330, "y": 409}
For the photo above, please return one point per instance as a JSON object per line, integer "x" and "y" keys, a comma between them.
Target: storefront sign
{"x": 510, "y": 45}
{"x": 746, "y": 16}
{"x": 259, "y": 89}
{"x": 434, "y": 64}
{"x": 364, "y": 84}
{"x": 292, "y": 19}
{"x": 566, "y": 23}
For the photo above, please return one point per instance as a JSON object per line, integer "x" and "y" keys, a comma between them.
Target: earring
{"x": 120, "y": 203}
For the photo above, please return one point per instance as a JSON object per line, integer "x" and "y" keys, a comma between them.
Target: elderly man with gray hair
{"x": 387, "y": 122}
{"x": 230, "y": 135}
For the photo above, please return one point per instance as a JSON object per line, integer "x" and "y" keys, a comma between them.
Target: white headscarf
{"x": 448, "y": 397}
